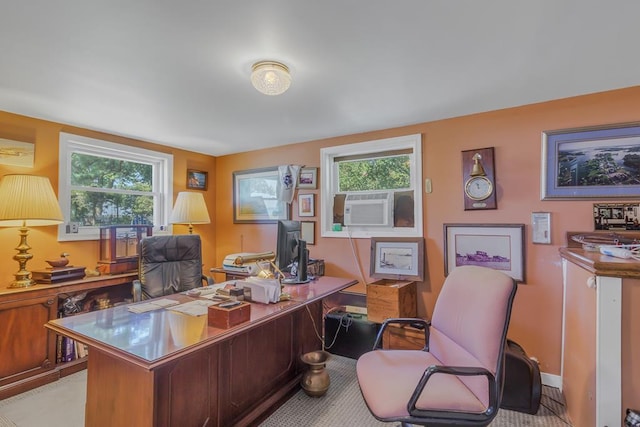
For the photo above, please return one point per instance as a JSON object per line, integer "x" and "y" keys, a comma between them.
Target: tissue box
{"x": 224, "y": 318}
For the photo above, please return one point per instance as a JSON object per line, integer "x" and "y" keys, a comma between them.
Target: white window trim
{"x": 329, "y": 187}
{"x": 163, "y": 181}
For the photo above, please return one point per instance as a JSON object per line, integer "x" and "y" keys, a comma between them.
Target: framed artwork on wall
{"x": 16, "y": 153}
{"x": 399, "y": 258}
{"x": 308, "y": 232}
{"x": 306, "y": 205}
{"x": 308, "y": 178}
{"x": 197, "y": 180}
{"x": 255, "y": 198}
{"x": 599, "y": 162}
{"x": 498, "y": 246}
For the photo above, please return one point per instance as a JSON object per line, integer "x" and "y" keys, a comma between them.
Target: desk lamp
{"x": 190, "y": 208}
{"x": 27, "y": 201}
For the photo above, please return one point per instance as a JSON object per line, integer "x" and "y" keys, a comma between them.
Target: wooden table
{"x": 139, "y": 374}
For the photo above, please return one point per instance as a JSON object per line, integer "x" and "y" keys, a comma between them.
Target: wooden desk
{"x": 139, "y": 374}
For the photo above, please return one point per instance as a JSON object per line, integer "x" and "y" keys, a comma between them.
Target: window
{"x": 373, "y": 188}
{"x": 103, "y": 183}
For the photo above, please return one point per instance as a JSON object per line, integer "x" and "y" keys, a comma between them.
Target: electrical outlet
{"x": 73, "y": 227}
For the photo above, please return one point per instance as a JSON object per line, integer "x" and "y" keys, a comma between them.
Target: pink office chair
{"x": 457, "y": 378}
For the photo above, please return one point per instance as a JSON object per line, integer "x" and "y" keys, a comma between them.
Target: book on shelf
{"x": 57, "y": 274}
{"x": 81, "y": 350}
{"x": 59, "y": 340}
{"x": 69, "y": 350}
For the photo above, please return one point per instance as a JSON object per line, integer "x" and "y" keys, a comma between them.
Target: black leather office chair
{"x": 169, "y": 264}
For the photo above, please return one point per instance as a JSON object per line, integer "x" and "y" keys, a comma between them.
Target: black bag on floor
{"x": 522, "y": 382}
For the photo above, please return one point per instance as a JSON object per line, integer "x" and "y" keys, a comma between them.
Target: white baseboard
{"x": 551, "y": 380}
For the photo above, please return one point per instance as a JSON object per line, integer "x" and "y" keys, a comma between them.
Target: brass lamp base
{"x": 22, "y": 283}
{"x": 23, "y": 276}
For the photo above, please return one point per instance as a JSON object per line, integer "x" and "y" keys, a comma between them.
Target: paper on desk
{"x": 193, "y": 308}
{"x": 263, "y": 290}
{"x": 152, "y": 305}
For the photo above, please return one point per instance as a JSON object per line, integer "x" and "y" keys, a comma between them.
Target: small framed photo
{"x": 616, "y": 216}
{"x": 399, "y": 258}
{"x": 306, "y": 205}
{"x": 308, "y": 232}
{"x": 497, "y": 246}
{"x": 541, "y": 228}
{"x": 197, "y": 180}
{"x": 308, "y": 178}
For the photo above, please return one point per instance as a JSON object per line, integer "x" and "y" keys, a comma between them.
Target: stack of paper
{"x": 193, "y": 308}
{"x": 261, "y": 290}
{"x": 155, "y": 304}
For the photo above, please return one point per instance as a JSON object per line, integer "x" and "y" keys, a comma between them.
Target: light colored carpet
{"x": 61, "y": 404}
{"x": 343, "y": 405}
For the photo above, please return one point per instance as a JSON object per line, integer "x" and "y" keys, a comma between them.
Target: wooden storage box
{"x": 224, "y": 318}
{"x": 402, "y": 337}
{"x": 391, "y": 298}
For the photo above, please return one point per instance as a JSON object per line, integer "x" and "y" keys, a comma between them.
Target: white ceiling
{"x": 177, "y": 72}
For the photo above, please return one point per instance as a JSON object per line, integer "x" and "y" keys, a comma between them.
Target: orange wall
{"x": 516, "y": 135}
{"x": 43, "y": 240}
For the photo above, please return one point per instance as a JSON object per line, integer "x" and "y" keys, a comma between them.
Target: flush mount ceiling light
{"x": 270, "y": 77}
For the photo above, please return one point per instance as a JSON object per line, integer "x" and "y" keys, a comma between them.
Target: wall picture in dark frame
{"x": 598, "y": 162}
{"x": 397, "y": 258}
{"x": 197, "y": 180}
{"x": 497, "y": 246}
{"x": 255, "y": 197}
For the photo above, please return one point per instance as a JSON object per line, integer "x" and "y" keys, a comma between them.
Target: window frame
{"x": 162, "y": 164}
{"x": 330, "y": 185}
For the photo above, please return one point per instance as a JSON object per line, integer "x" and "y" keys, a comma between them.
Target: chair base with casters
{"x": 169, "y": 264}
{"x": 457, "y": 378}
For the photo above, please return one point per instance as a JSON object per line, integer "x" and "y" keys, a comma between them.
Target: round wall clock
{"x": 478, "y": 187}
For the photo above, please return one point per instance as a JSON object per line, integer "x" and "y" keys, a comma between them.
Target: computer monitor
{"x": 287, "y": 246}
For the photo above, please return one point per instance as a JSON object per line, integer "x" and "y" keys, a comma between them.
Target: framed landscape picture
{"x": 600, "y": 162}
{"x": 497, "y": 246}
{"x": 255, "y": 197}
{"x": 197, "y": 180}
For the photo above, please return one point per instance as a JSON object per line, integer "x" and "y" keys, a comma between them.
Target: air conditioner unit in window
{"x": 369, "y": 209}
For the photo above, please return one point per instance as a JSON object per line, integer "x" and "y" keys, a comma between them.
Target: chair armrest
{"x": 207, "y": 279}
{"x": 136, "y": 290}
{"x": 404, "y": 321}
{"x": 458, "y": 371}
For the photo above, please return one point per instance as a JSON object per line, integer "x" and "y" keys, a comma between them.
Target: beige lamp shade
{"x": 190, "y": 208}
{"x": 28, "y": 200}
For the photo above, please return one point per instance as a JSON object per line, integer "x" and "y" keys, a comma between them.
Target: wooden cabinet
{"x": 600, "y": 330}
{"x": 28, "y": 350}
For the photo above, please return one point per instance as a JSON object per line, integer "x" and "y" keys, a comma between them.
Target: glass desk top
{"x": 157, "y": 334}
